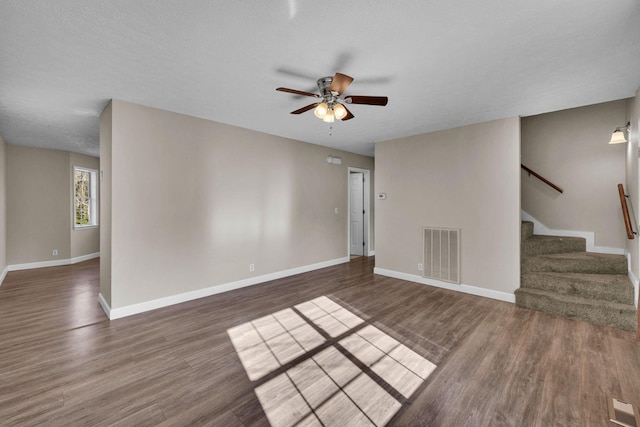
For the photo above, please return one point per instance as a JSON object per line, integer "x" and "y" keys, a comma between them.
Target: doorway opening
{"x": 359, "y": 217}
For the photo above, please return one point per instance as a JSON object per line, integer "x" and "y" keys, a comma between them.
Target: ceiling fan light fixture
{"x": 330, "y": 100}
{"x": 321, "y": 110}
{"x": 339, "y": 111}
{"x": 329, "y": 117}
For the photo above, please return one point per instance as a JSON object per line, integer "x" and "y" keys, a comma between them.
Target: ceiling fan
{"x": 331, "y": 104}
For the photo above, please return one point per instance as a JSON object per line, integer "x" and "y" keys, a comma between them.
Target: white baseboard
{"x": 589, "y": 236}
{"x": 105, "y": 305}
{"x": 4, "y": 274}
{"x": 83, "y": 258}
{"x": 634, "y": 280}
{"x": 53, "y": 263}
{"x": 467, "y": 289}
{"x": 372, "y": 253}
{"x": 130, "y": 310}
{"x": 40, "y": 264}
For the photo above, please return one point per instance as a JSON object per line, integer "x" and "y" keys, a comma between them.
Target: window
{"x": 85, "y": 184}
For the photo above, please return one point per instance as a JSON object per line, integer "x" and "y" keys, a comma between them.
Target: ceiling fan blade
{"x": 306, "y": 108}
{"x": 298, "y": 92}
{"x": 340, "y": 83}
{"x": 349, "y": 116}
{"x": 369, "y": 100}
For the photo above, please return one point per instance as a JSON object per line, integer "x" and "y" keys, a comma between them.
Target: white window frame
{"x": 93, "y": 197}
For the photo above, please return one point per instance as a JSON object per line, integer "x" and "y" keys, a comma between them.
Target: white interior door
{"x": 356, "y": 214}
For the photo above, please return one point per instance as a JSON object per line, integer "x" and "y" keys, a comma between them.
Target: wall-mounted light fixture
{"x": 334, "y": 160}
{"x": 617, "y": 137}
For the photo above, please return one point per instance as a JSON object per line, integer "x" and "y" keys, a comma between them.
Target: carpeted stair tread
{"x": 538, "y": 245}
{"x": 605, "y": 313}
{"x": 558, "y": 276}
{"x": 575, "y": 262}
{"x": 606, "y": 287}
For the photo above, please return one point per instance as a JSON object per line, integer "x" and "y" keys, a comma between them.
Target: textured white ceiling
{"x": 441, "y": 63}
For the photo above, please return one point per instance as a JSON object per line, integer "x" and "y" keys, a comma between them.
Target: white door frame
{"x": 367, "y": 209}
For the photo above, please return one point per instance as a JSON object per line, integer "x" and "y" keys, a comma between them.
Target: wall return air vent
{"x": 441, "y": 254}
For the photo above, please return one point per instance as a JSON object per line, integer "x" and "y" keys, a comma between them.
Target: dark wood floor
{"x": 63, "y": 363}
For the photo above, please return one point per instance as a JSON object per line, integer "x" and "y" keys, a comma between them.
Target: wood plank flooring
{"x": 346, "y": 347}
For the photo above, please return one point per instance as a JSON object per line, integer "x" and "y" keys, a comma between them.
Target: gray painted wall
{"x": 570, "y": 148}
{"x": 467, "y": 178}
{"x": 3, "y": 209}
{"x": 194, "y": 202}
{"x": 40, "y": 207}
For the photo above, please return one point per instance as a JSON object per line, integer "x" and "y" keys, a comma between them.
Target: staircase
{"x": 559, "y": 277}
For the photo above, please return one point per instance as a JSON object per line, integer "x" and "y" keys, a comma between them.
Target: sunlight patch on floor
{"x": 362, "y": 377}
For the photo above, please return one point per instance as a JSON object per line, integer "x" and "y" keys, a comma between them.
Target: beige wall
{"x": 570, "y": 149}
{"x": 84, "y": 241}
{"x": 38, "y": 200}
{"x": 465, "y": 178}
{"x": 632, "y": 185}
{"x": 3, "y": 208}
{"x": 210, "y": 199}
{"x": 105, "y": 203}
{"x": 40, "y": 206}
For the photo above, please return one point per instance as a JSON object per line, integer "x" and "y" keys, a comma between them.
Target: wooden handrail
{"x": 630, "y": 236}
{"x": 625, "y": 212}
{"x": 541, "y": 178}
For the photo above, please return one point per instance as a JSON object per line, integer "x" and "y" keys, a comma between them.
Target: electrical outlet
{"x": 419, "y": 267}
{"x": 251, "y": 267}
{"x": 55, "y": 252}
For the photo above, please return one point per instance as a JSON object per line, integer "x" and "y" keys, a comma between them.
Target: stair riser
{"x": 620, "y": 291}
{"x": 590, "y": 266}
{"x": 555, "y": 246}
{"x": 621, "y": 319}
{"x": 526, "y": 230}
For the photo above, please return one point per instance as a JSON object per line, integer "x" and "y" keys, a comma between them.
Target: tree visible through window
{"x": 86, "y": 197}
